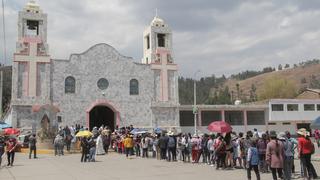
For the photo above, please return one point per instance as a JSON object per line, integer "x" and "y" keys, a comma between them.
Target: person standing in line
{"x": 262, "y": 147}
{"x": 306, "y": 149}
{"x": 2, "y": 145}
{"x": 84, "y": 149}
{"x": 253, "y": 161}
{"x": 317, "y": 137}
{"x": 32, "y": 146}
{"x": 288, "y": 156}
{"x": 274, "y": 156}
{"x": 128, "y": 145}
{"x": 195, "y": 148}
{"x": 163, "y": 144}
{"x": 11, "y": 147}
{"x": 171, "y": 147}
{"x": 220, "y": 151}
{"x": 144, "y": 145}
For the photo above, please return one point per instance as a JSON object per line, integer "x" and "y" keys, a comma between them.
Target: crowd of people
{"x": 262, "y": 152}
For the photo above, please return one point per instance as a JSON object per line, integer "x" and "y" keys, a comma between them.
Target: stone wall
{"x": 103, "y": 61}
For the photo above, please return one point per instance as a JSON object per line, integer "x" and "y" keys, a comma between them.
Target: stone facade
{"x": 51, "y": 99}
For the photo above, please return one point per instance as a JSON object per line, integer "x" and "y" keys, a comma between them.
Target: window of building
{"x": 32, "y": 28}
{"x": 208, "y": 117}
{"x": 277, "y": 107}
{"x": 318, "y": 107}
{"x": 292, "y": 107}
{"x": 286, "y": 123}
{"x": 309, "y": 107}
{"x": 161, "y": 40}
{"x": 70, "y": 85}
{"x": 186, "y": 118}
{"x": 255, "y": 118}
{"x": 148, "y": 41}
{"x": 103, "y": 84}
{"x": 234, "y": 117}
{"x": 272, "y": 123}
{"x": 134, "y": 87}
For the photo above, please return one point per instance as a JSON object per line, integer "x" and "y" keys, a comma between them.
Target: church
{"x": 97, "y": 87}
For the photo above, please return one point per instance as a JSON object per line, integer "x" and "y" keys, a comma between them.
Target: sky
{"x": 213, "y": 36}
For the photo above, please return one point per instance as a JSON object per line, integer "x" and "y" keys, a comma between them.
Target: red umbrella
{"x": 219, "y": 127}
{"x": 11, "y": 131}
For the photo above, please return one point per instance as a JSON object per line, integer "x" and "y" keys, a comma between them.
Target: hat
{"x": 282, "y": 136}
{"x": 170, "y": 133}
{"x": 273, "y": 134}
{"x": 233, "y": 137}
{"x": 303, "y": 132}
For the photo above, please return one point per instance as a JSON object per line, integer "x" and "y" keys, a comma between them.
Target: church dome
{"x": 32, "y": 6}
{"x": 157, "y": 22}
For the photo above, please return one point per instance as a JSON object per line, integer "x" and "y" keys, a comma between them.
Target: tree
{"x": 277, "y": 87}
{"x": 253, "y": 95}
{"x": 280, "y": 67}
{"x": 286, "y": 66}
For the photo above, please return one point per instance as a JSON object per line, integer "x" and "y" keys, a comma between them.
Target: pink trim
{"x": 102, "y": 102}
{"x": 32, "y": 39}
{"x": 37, "y": 107}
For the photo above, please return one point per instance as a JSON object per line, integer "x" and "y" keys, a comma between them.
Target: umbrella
{"x": 138, "y": 131}
{"x": 315, "y": 124}
{"x": 11, "y": 131}
{"x": 158, "y": 130}
{"x": 219, "y": 127}
{"x": 4, "y": 125}
{"x": 84, "y": 134}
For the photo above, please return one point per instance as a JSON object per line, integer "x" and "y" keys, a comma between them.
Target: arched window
{"x": 134, "y": 87}
{"x": 70, "y": 85}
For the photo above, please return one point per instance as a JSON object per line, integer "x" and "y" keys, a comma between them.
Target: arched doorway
{"x": 101, "y": 115}
{"x": 45, "y": 123}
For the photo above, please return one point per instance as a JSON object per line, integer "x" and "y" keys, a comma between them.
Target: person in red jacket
{"x": 11, "y": 146}
{"x": 306, "y": 149}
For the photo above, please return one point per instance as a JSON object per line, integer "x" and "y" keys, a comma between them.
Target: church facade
{"x": 93, "y": 88}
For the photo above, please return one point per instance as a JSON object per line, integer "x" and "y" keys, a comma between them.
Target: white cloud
{"x": 217, "y": 37}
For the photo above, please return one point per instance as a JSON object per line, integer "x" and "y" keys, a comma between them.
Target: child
{"x": 253, "y": 160}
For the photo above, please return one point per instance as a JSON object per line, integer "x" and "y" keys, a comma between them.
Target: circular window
{"x": 103, "y": 84}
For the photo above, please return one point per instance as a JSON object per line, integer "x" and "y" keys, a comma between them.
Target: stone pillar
{"x": 245, "y": 120}
{"x": 222, "y": 116}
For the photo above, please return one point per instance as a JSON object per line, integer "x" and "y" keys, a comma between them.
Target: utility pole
{"x": 195, "y": 108}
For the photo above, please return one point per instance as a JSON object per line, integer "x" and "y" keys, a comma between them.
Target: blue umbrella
{"x": 4, "y": 125}
{"x": 316, "y": 123}
{"x": 158, "y": 130}
{"x": 138, "y": 131}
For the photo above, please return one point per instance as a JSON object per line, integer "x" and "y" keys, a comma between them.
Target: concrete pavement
{"x": 113, "y": 167}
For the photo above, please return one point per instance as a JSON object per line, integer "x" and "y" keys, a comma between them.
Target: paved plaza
{"x": 113, "y": 167}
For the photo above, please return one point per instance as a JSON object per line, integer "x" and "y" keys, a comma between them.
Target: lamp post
{"x": 195, "y": 109}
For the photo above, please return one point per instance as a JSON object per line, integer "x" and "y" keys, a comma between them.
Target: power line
{"x": 4, "y": 35}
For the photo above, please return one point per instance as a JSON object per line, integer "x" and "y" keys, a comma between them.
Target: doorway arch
{"x": 101, "y": 115}
{"x": 107, "y": 104}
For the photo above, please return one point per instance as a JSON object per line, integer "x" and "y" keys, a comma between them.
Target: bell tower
{"x": 31, "y": 63}
{"x": 157, "y": 51}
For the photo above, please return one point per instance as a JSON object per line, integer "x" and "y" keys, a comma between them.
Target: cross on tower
{"x": 164, "y": 67}
{"x": 32, "y": 59}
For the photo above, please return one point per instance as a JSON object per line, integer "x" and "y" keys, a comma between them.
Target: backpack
{"x": 171, "y": 142}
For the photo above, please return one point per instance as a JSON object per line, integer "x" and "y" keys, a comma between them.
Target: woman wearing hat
{"x": 306, "y": 149}
{"x": 274, "y": 155}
